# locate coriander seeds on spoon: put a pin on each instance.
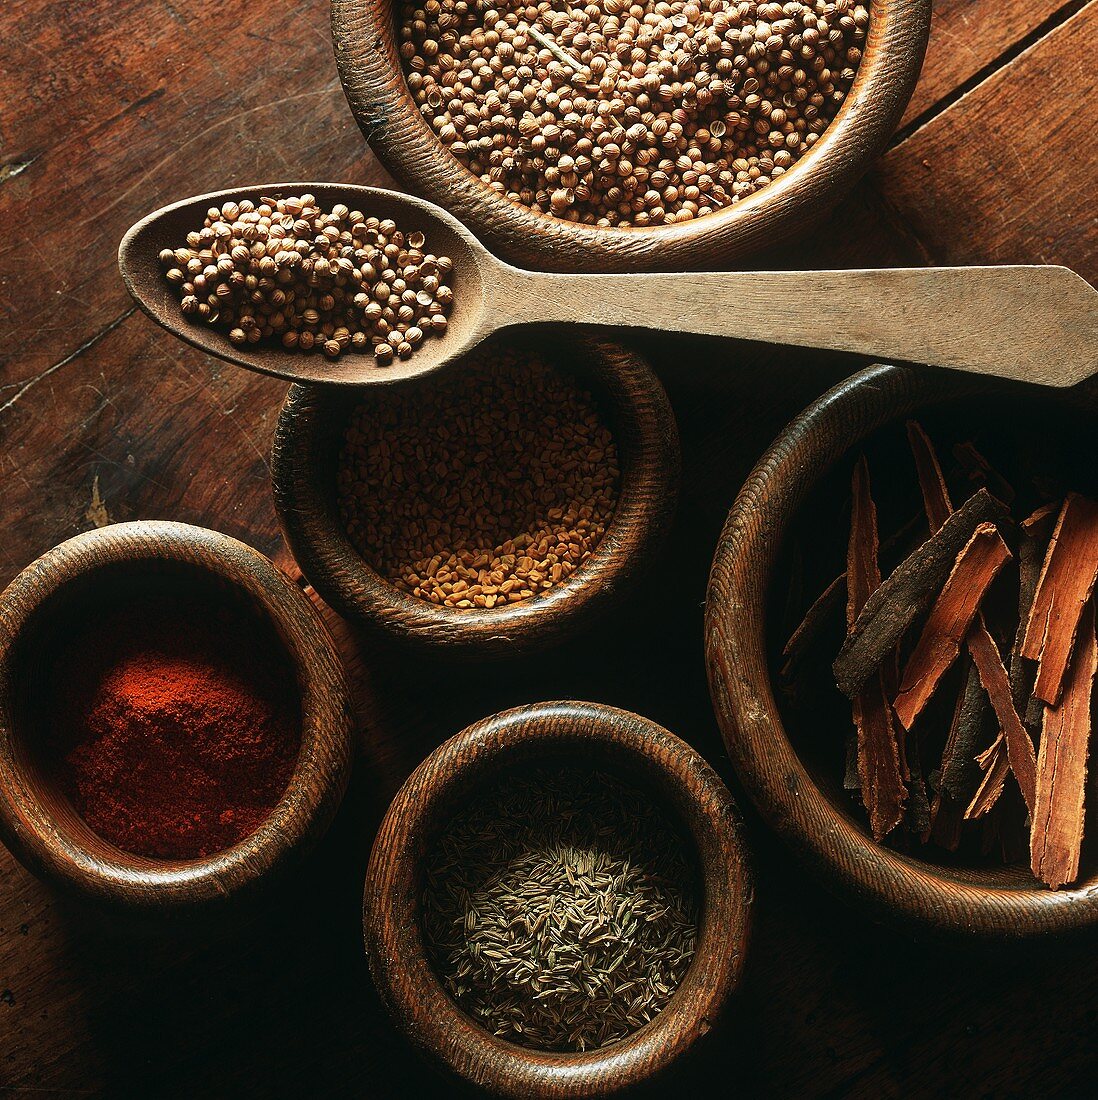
(1044, 317)
(330, 280)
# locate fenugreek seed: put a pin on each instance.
(477, 486)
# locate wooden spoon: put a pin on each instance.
(1032, 323)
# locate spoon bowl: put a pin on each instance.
(1030, 323)
(139, 262)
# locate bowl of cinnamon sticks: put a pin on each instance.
(901, 647)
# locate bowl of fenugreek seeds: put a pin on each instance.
(490, 510)
(557, 902)
(623, 136)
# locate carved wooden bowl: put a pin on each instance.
(70, 585)
(642, 754)
(369, 66)
(776, 752)
(303, 470)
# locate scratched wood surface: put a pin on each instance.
(113, 109)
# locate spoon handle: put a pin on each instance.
(1033, 323)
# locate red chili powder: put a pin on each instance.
(175, 728)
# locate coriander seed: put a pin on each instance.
(643, 114)
(288, 271)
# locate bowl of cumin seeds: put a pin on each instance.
(557, 902)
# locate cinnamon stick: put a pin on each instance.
(892, 607)
(1057, 834)
(883, 790)
(942, 816)
(1019, 747)
(1037, 519)
(932, 482)
(959, 776)
(1063, 589)
(959, 770)
(851, 782)
(917, 818)
(1013, 827)
(827, 605)
(981, 473)
(1033, 535)
(996, 767)
(811, 626)
(946, 819)
(944, 632)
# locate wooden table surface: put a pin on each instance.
(112, 109)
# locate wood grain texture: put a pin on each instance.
(398, 133)
(640, 752)
(979, 157)
(953, 899)
(113, 110)
(303, 475)
(1034, 324)
(965, 41)
(41, 826)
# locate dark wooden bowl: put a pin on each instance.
(369, 66)
(643, 754)
(770, 752)
(65, 587)
(303, 471)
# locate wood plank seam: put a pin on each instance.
(1026, 42)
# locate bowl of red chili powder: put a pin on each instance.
(174, 719)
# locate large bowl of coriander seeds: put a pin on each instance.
(557, 902)
(613, 136)
(492, 512)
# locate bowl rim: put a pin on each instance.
(408, 984)
(315, 788)
(895, 886)
(647, 438)
(396, 131)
